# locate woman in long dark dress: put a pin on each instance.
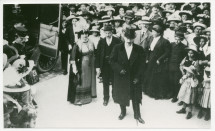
(82, 79)
(156, 75)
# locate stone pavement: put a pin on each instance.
(55, 112)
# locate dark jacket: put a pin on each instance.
(100, 55)
(177, 54)
(124, 89)
(69, 36)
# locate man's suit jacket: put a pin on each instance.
(100, 55)
(69, 36)
(142, 40)
(124, 88)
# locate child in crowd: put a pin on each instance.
(188, 90)
(205, 99)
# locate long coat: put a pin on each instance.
(156, 76)
(124, 89)
(100, 55)
(142, 40)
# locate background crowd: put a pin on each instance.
(175, 38)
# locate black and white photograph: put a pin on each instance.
(131, 64)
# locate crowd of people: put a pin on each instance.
(159, 49)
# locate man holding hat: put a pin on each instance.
(143, 35)
(104, 49)
(127, 61)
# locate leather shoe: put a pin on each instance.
(180, 103)
(140, 120)
(200, 114)
(174, 100)
(65, 72)
(182, 111)
(121, 116)
(105, 102)
(189, 115)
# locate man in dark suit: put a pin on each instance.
(105, 47)
(127, 62)
(67, 41)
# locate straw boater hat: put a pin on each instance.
(105, 18)
(188, 22)
(72, 17)
(117, 18)
(95, 29)
(187, 12)
(191, 69)
(107, 8)
(207, 29)
(192, 47)
(197, 24)
(129, 14)
(173, 18)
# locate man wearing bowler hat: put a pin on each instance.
(105, 47)
(127, 62)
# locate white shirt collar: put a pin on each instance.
(109, 40)
(128, 50)
(154, 42)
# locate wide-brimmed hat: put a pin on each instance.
(108, 28)
(188, 22)
(197, 24)
(187, 12)
(198, 38)
(174, 18)
(202, 16)
(207, 29)
(192, 47)
(105, 18)
(83, 32)
(156, 5)
(158, 28)
(16, 89)
(107, 8)
(129, 14)
(72, 17)
(191, 69)
(95, 29)
(130, 32)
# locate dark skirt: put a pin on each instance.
(156, 84)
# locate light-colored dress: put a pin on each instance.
(86, 90)
(205, 99)
(188, 91)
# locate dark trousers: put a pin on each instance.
(174, 77)
(64, 60)
(136, 109)
(107, 77)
